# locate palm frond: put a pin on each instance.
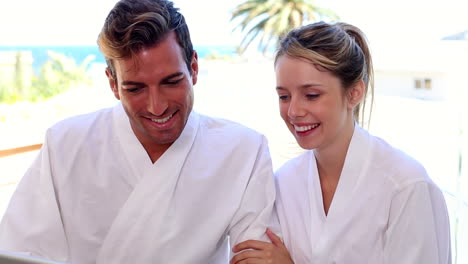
(270, 20)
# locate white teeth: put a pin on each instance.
(305, 128)
(163, 120)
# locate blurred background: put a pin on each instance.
(51, 68)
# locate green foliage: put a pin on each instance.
(59, 74)
(7, 93)
(217, 56)
(56, 75)
(270, 20)
(3, 93)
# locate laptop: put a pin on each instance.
(16, 258)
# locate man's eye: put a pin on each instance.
(173, 82)
(283, 97)
(133, 90)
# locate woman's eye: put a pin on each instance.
(283, 97)
(312, 96)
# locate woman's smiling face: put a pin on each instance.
(312, 102)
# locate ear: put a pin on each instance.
(112, 84)
(194, 67)
(356, 94)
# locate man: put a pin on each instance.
(148, 181)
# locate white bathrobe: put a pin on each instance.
(385, 209)
(94, 196)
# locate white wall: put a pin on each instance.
(402, 83)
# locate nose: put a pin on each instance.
(296, 108)
(157, 102)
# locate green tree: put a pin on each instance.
(270, 20)
(58, 74)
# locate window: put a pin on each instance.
(417, 84)
(427, 84)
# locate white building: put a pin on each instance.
(432, 71)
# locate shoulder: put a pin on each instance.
(81, 124)
(229, 131)
(400, 168)
(295, 167)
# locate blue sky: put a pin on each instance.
(66, 22)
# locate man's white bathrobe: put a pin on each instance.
(385, 209)
(94, 196)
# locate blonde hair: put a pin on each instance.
(341, 49)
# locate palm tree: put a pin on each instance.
(272, 19)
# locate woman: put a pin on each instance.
(351, 198)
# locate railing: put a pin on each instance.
(19, 150)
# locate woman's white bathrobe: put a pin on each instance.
(385, 209)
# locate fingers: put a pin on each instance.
(251, 255)
(251, 261)
(276, 240)
(250, 244)
(254, 251)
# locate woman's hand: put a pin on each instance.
(262, 252)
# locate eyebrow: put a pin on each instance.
(132, 83)
(167, 78)
(304, 86)
(311, 85)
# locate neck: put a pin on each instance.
(156, 151)
(330, 159)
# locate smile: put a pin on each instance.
(162, 120)
(305, 128)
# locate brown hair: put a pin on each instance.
(340, 48)
(136, 24)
